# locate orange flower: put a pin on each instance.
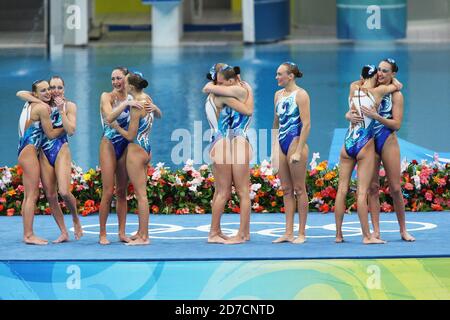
(155, 209)
(11, 192)
(47, 211)
(10, 212)
(330, 175)
(273, 203)
(319, 182)
(270, 178)
(256, 173)
(280, 193)
(19, 170)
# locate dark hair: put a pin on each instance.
(368, 71)
(56, 77)
(136, 79)
(293, 68)
(35, 84)
(229, 72)
(123, 69)
(393, 64)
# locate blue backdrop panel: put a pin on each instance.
(272, 20)
(356, 21)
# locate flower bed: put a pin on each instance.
(425, 187)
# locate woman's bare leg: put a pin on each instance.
(374, 197)
(298, 177)
(288, 198)
(63, 169)
(121, 195)
(391, 161)
(137, 160)
(365, 159)
(108, 169)
(346, 166)
(48, 178)
(29, 162)
(241, 152)
(221, 157)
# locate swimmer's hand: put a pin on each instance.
(295, 158)
(397, 83)
(355, 118)
(114, 125)
(370, 112)
(59, 102)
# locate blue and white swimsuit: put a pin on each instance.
(380, 130)
(290, 124)
(118, 141)
(142, 137)
(359, 134)
(33, 134)
(219, 122)
(51, 147)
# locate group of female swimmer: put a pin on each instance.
(127, 113)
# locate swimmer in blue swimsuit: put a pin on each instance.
(229, 107)
(139, 150)
(359, 149)
(292, 123)
(34, 122)
(56, 161)
(387, 122)
(113, 154)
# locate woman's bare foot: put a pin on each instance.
(78, 230)
(375, 235)
(216, 239)
(138, 242)
(224, 237)
(339, 238)
(134, 236)
(124, 238)
(236, 240)
(300, 239)
(64, 237)
(407, 237)
(284, 238)
(373, 241)
(103, 240)
(35, 240)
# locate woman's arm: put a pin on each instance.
(237, 92)
(27, 96)
(303, 104)
(46, 122)
(237, 105)
(133, 126)
(383, 89)
(150, 106)
(69, 118)
(397, 112)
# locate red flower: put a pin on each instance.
(155, 209)
(236, 209)
(429, 195)
(89, 203)
(2, 200)
(414, 162)
(10, 212)
(1, 207)
(386, 207)
(47, 211)
(282, 209)
(324, 208)
(436, 207)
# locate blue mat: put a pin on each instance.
(177, 237)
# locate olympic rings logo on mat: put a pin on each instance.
(273, 229)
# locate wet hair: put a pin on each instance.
(35, 84)
(393, 64)
(56, 77)
(137, 80)
(293, 68)
(212, 74)
(123, 69)
(229, 72)
(368, 71)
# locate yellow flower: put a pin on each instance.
(87, 177)
(91, 171)
(11, 192)
(321, 166)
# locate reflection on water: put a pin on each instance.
(176, 77)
